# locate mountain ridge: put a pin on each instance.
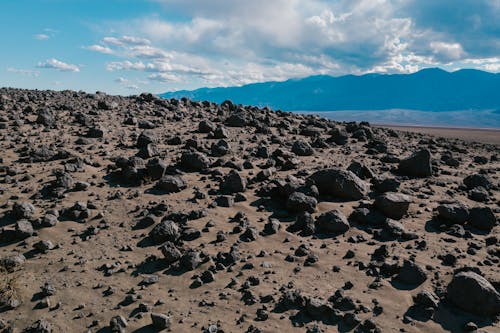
(430, 89)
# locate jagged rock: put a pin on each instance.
(393, 205)
(165, 231)
(302, 148)
(455, 213)
(234, 182)
(332, 222)
(206, 126)
(299, 202)
(473, 293)
(417, 165)
(161, 321)
(190, 260)
(482, 218)
(412, 274)
(477, 180)
(171, 184)
(194, 161)
(339, 183)
(24, 210)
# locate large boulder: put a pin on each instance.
(393, 205)
(302, 148)
(473, 293)
(482, 218)
(171, 184)
(411, 274)
(417, 165)
(332, 222)
(453, 213)
(233, 183)
(477, 180)
(194, 161)
(339, 183)
(165, 231)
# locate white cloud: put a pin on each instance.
(100, 49)
(25, 72)
(447, 51)
(222, 42)
(164, 77)
(59, 65)
(125, 65)
(126, 40)
(41, 36)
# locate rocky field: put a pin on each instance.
(138, 214)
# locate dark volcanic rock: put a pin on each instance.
(299, 202)
(456, 213)
(194, 161)
(165, 231)
(332, 222)
(473, 293)
(393, 205)
(171, 184)
(417, 165)
(339, 183)
(234, 182)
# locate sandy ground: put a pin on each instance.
(99, 263)
(491, 136)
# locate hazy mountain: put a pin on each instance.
(429, 90)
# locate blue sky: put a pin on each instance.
(131, 46)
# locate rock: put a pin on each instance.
(233, 182)
(194, 161)
(165, 231)
(24, 229)
(410, 273)
(477, 180)
(360, 170)
(13, 262)
(473, 293)
(49, 220)
(224, 201)
(339, 183)
(393, 205)
(190, 260)
(156, 168)
(170, 252)
(206, 126)
(482, 218)
(145, 138)
(220, 148)
(24, 210)
(302, 148)
(417, 165)
(426, 299)
(117, 324)
(332, 222)
(299, 202)
(95, 133)
(455, 213)
(40, 326)
(171, 184)
(161, 321)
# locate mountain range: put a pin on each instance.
(431, 89)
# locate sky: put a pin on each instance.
(132, 46)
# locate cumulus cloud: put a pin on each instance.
(100, 49)
(236, 42)
(59, 65)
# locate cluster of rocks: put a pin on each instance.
(229, 202)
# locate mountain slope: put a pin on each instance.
(429, 90)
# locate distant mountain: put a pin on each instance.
(430, 89)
